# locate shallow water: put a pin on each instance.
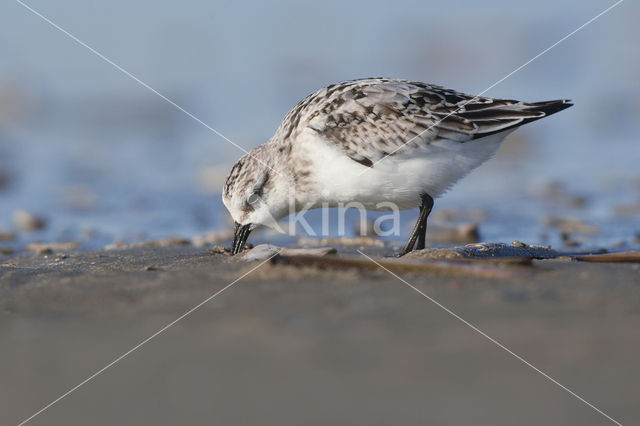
(102, 159)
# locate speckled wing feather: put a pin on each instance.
(372, 118)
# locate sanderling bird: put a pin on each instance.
(368, 141)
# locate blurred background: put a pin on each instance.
(89, 155)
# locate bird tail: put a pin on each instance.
(548, 107)
(507, 114)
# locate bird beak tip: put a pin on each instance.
(240, 235)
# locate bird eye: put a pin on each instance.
(253, 198)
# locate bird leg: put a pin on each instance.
(419, 232)
(427, 205)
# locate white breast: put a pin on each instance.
(400, 179)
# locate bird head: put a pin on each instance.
(256, 193)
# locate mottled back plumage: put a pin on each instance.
(372, 118)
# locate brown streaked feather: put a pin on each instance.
(371, 118)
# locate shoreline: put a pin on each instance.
(286, 336)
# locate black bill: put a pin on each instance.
(240, 235)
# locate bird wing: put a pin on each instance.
(372, 118)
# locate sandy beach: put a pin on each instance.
(288, 345)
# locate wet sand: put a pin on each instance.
(291, 346)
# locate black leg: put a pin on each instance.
(422, 236)
(420, 229)
(427, 205)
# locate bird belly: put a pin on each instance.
(399, 179)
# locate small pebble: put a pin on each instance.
(572, 243)
(567, 240)
(27, 221)
(218, 250)
(469, 232)
(6, 235)
(45, 248)
(464, 233)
